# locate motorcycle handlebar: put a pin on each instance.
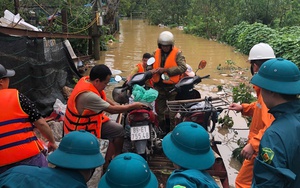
(196, 81)
(172, 90)
(125, 88)
(207, 76)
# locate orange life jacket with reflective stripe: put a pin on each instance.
(170, 62)
(17, 139)
(88, 120)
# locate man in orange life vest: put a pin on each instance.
(86, 105)
(169, 61)
(18, 117)
(140, 67)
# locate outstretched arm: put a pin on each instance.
(123, 108)
(46, 131)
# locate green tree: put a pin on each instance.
(7, 5)
(168, 12)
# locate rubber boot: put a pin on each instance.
(168, 125)
(162, 125)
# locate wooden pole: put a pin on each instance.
(95, 34)
(64, 18)
(17, 5)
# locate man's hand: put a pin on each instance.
(153, 71)
(235, 106)
(51, 146)
(138, 105)
(247, 152)
(161, 70)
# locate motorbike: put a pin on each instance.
(189, 106)
(140, 125)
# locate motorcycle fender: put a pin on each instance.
(140, 146)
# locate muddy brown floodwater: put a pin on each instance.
(137, 37)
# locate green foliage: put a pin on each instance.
(254, 34)
(125, 7)
(168, 12)
(6, 5)
(231, 37)
(79, 18)
(242, 94)
(236, 153)
(105, 38)
(285, 41)
(196, 27)
(226, 121)
(220, 87)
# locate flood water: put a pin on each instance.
(137, 37)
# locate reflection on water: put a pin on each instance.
(136, 37)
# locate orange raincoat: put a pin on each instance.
(261, 120)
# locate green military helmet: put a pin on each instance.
(77, 150)
(128, 170)
(278, 75)
(188, 146)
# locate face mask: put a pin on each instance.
(252, 71)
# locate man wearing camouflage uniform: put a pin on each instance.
(170, 62)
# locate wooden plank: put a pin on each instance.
(40, 34)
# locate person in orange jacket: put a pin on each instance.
(261, 118)
(18, 117)
(85, 108)
(140, 67)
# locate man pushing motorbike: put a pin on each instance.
(170, 62)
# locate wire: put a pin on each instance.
(80, 29)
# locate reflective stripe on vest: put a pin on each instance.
(170, 62)
(88, 120)
(17, 139)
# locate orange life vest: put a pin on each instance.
(170, 62)
(88, 120)
(140, 67)
(17, 139)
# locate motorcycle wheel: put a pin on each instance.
(146, 155)
(211, 121)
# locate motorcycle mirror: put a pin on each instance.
(165, 77)
(151, 61)
(202, 64)
(118, 78)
